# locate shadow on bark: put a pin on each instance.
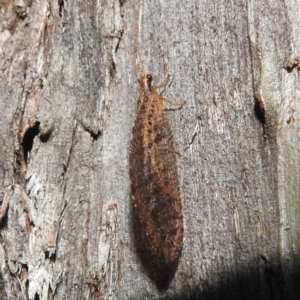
(268, 285)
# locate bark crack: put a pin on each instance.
(196, 130)
(28, 138)
(73, 143)
(4, 207)
(94, 132)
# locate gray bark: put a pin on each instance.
(68, 92)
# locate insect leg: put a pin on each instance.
(177, 105)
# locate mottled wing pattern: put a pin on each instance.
(155, 189)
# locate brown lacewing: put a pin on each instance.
(155, 183)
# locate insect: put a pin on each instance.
(155, 183)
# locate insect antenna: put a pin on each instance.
(138, 43)
(136, 65)
(138, 62)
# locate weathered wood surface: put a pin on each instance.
(68, 95)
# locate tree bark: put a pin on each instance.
(68, 92)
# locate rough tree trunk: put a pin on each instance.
(68, 95)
